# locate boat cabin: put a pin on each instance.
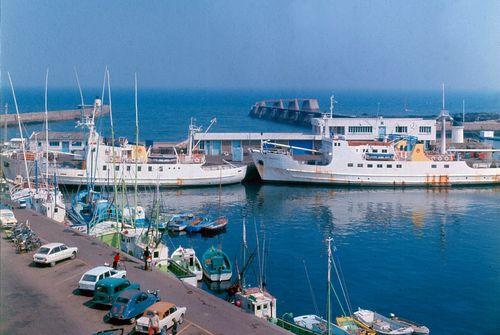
(134, 242)
(258, 302)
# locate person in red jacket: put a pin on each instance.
(116, 260)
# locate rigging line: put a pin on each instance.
(340, 283)
(348, 300)
(258, 252)
(338, 300)
(311, 289)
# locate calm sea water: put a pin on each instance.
(431, 256)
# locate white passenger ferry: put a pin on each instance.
(102, 163)
(400, 161)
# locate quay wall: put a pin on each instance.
(52, 116)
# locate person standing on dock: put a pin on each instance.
(174, 327)
(146, 256)
(154, 323)
(116, 260)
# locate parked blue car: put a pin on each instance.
(132, 303)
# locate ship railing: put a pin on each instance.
(483, 164)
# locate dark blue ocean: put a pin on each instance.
(432, 256)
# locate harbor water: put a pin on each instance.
(432, 256)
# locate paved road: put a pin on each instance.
(41, 300)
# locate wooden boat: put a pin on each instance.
(381, 324)
(179, 222)
(216, 265)
(351, 326)
(215, 226)
(197, 224)
(186, 257)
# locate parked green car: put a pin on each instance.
(108, 289)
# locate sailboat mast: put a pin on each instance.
(20, 131)
(115, 192)
(244, 251)
(136, 147)
(46, 128)
(328, 306)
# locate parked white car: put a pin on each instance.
(167, 312)
(54, 252)
(7, 218)
(91, 277)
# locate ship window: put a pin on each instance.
(360, 165)
(389, 166)
(139, 168)
(156, 254)
(350, 165)
(374, 150)
(160, 168)
(399, 166)
(128, 167)
(401, 129)
(117, 167)
(150, 168)
(54, 143)
(264, 306)
(425, 130)
(258, 307)
(104, 167)
(379, 165)
(370, 165)
(77, 144)
(384, 151)
(39, 144)
(433, 166)
(360, 129)
(446, 166)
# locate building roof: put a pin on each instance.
(255, 136)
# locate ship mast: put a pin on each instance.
(20, 131)
(444, 116)
(136, 146)
(328, 306)
(46, 129)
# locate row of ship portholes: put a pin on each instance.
(139, 168)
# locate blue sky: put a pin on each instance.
(255, 44)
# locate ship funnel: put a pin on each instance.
(444, 116)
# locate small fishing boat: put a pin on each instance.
(215, 226)
(216, 265)
(418, 329)
(318, 325)
(381, 324)
(197, 224)
(350, 325)
(186, 257)
(179, 222)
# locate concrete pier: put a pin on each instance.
(43, 300)
(53, 116)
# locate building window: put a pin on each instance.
(150, 168)
(104, 167)
(425, 130)
(433, 166)
(379, 165)
(54, 143)
(446, 166)
(360, 129)
(360, 165)
(399, 166)
(389, 166)
(369, 165)
(401, 129)
(350, 165)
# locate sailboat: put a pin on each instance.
(216, 265)
(186, 257)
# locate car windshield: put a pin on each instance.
(43, 250)
(101, 289)
(91, 278)
(122, 300)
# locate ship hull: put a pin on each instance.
(275, 167)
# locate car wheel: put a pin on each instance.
(52, 264)
(181, 319)
(73, 255)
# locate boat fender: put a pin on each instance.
(440, 158)
(446, 158)
(237, 303)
